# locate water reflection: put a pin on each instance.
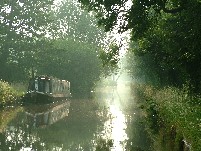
(124, 130)
(21, 131)
(106, 123)
(51, 127)
(115, 127)
(46, 114)
(75, 132)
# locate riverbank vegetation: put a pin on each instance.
(8, 94)
(173, 117)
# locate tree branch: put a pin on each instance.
(174, 10)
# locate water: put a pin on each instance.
(111, 121)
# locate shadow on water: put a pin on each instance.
(138, 137)
(111, 121)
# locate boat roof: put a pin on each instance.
(47, 77)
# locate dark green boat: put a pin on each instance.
(45, 89)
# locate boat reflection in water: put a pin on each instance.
(46, 114)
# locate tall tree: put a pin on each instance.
(137, 15)
(166, 30)
(78, 23)
(72, 60)
(22, 23)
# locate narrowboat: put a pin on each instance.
(46, 89)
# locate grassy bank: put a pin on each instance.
(9, 94)
(173, 117)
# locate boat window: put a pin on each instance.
(60, 87)
(53, 86)
(47, 87)
(63, 86)
(36, 85)
(41, 85)
(57, 87)
(68, 85)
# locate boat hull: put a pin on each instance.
(42, 98)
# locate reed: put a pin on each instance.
(173, 115)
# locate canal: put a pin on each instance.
(111, 120)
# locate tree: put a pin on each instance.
(174, 45)
(78, 23)
(137, 15)
(72, 60)
(22, 23)
(72, 53)
(168, 31)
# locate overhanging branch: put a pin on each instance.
(173, 10)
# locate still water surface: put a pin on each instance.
(105, 123)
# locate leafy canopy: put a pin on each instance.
(166, 31)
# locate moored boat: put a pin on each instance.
(46, 89)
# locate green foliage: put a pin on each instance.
(25, 46)
(7, 94)
(144, 69)
(20, 88)
(78, 23)
(175, 108)
(22, 23)
(110, 56)
(75, 61)
(104, 145)
(173, 45)
(166, 31)
(139, 16)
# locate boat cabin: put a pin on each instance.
(49, 85)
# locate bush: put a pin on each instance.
(7, 94)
